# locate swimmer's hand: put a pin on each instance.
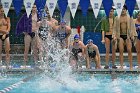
(25, 33)
(4, 36)
(114, 38)
(103, 41)
(132, 38)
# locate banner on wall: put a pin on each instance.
(62, 6)
(130, 6)
(17, 5)
(6, 6)
(119, 6)
(28, 6)
(51, 4)
(73, 4)
(96, 4)
(84, 4)
(107, 6)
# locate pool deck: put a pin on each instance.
(29, 70)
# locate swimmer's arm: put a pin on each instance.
(98, 54)
(39, 23)
(133, 29)
(54, 27)
(68, 32)
(102, 29)
(87, 58)
(103, 38)
(9, 24)
(114, 28)
(56, 22)
(83, 49)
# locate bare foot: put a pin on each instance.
(131, 68)
(121, 67)
(138, 67)
(98, 67)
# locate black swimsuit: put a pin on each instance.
(109, 37)
(91, 54)
(124, 37)
(32, 35)
(75, 52)
(7, 35)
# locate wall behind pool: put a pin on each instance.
(89, 22)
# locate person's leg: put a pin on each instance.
(121, 49)
(129, 50)
(107, 46)
(97, 62)
(35, 48)
(7, 49)
(114, 47)
(138, 52)
(27, 41)
(0, 51)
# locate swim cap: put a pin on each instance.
(76, 36)
(90, 40)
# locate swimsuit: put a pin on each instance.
(75, 52)
(109, 37)
(61, 34)
(91, 54)
(32, 35)
(7, 35)
(124, 37)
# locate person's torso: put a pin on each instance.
(90, 49)
(3, 24)
(34, 23)
(61, 33)
(110, 26)
(123, 25)
(76, 45)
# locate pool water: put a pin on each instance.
(6, 80)
(76, 83)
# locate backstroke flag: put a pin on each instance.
(96, 4)
(6, 6)
(119, 6)
(28, 6)
(73, 4)
(84, 4)
(107, 6)
(40, 4)
(62, 6)
(130, 6)
(17, 5)
(51, 4)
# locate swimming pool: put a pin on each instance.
(75, 83)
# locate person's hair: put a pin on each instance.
(113, 8)
(125, 7)
(2, 8)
